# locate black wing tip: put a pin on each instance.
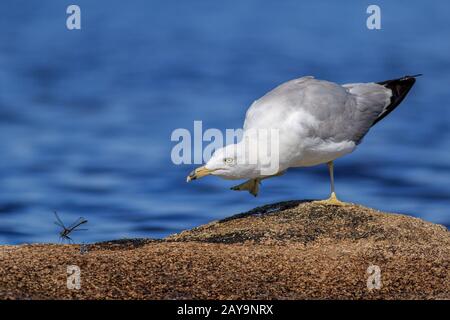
(411, 79)
(413, 76)
(400, 88)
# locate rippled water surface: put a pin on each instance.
(86, 116)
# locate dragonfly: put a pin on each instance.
(66, 231)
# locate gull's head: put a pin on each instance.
(227, 163)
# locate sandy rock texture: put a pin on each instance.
(289, 250)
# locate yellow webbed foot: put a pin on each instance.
(331, 201)
(251, 186)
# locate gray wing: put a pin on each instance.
(325, 109)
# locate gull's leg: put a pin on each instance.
(251, 186)
(332, 200)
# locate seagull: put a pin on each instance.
(317, 121)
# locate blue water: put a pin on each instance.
(86, 115)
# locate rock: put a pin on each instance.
(289, 250)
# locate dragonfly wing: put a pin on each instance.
(58, 219)
(77, 223)
(59, 224)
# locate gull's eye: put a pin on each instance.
(228, 161)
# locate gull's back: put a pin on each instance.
(322, 109)
(319, 121)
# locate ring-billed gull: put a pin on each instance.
(317, 122)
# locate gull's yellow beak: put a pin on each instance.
(198, 173)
